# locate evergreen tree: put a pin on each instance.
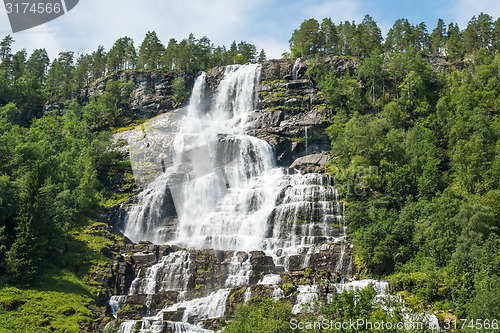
(496, 35)
(331, 36)
(5, 48)
(18, 65)
(24, 259)
(400, 36)
(421, 37)
(479, 33)
(262, 56)
(454, 44)
(82, 71)
(151, 52)
(437, 39)
(60, 76)
(370, 36)
(118, 57)
(305, 40)
(247, 53)
(98, 65)
(170, 56)
(37, 65)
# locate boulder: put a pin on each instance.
(311, 163)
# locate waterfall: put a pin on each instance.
(227, 190)
(295, 69)
(209, 185)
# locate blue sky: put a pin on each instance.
(266, 23)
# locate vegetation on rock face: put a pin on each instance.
(418, 160)
(418, 164)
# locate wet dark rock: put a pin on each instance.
(174, 315)
(261, 265)
(312, 163)
(236, 296)
(214, 324)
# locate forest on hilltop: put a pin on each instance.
(427, 218)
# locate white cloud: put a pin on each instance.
(339, 10)
(465, 9)
(273, 47)
(101, 22)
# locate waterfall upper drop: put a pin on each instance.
(226, 188)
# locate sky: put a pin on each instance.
(268, 24)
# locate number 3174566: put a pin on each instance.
(33, 8)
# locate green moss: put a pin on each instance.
(56, 303)
(288, 287)
(202, 271)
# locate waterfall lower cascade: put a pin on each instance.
(214, 190)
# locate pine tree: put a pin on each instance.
(151, 52)
(37, 65)
(437, 38)
(305, 40)
(454, 44)
(370, 36)
(98, 66)
(262, 56)
(24, 259)
(331, 36)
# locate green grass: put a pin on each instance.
(54, 304)
(59, 300)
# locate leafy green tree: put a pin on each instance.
(486, 302)
(10, 113)
(372, 74)
(268, 316)
(470, 163)
(179, 89)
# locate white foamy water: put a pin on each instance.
(228, 195)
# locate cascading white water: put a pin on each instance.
(228, 195)
(171, 273)
(295, 69)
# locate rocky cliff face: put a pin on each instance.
(206, 272)
(151, 94)
(293, 114)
